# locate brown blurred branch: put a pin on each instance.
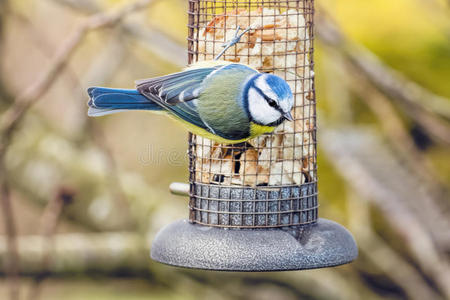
(423, 106)
(127, 253)
(6, 96)
(49, 223)
(381, 255)
(108, 60)
(397, 133)
(84, 176)
(77, 252)
(11, 261)
(150, 37)
(115, 183)
(4, 10)
(390, 122)
(370, 170)
(85, 6)
(102, 70)
(13, 116)
(40, 42)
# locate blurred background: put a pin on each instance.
(81, 199)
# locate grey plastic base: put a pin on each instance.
(323, 244)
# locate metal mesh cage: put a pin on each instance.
(270, 181)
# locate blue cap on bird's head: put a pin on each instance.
(268, 99)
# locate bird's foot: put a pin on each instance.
(237, 37)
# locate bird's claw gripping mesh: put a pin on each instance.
(237, 37)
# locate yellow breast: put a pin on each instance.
(202, 132)
(256, 129)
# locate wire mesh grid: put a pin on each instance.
(270, 181)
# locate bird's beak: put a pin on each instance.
(288, 116)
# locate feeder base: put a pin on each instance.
(323, 244)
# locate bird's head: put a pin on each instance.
(268, 99)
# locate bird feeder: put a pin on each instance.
(253, 206)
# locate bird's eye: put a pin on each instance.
(272, 102)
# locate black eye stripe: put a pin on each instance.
(269, 100)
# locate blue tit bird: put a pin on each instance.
(225, 102)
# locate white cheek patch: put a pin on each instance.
(262, 84)
(260, 110)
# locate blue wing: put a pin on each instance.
(178, 93)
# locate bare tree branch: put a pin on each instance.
(158, 43)
(78, 252)
(103, 68)
(397, 133)
(86, 6)
(150, 37)
(5, 95)
(127, 253)
(11, 264)
(40, 42)
(381, 255)
(370, 170)
(12, 259)
(13, 116)
(421, 105)
(49, 223)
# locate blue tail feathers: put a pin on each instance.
(107, 101)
